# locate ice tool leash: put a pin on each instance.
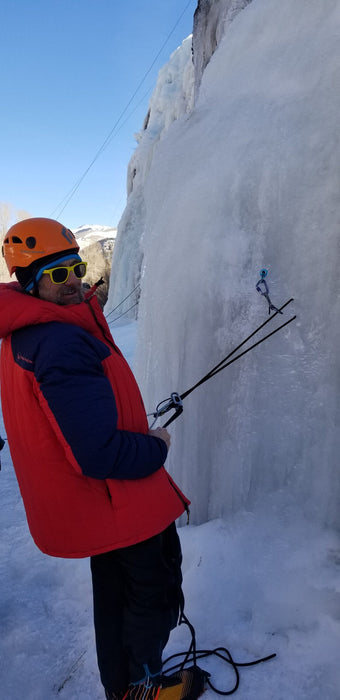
(175, 401)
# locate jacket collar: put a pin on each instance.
(19, 309)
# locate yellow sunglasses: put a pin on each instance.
(60, 274)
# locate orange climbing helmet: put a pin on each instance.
(32, 239)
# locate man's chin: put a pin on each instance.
(68, 299)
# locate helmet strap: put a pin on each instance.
(35, 290)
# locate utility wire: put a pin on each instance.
(122, 302)
(106, 142)
(124, 312)
(77, 184)
(73, 190)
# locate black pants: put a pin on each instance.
(136, 599)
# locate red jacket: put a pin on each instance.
(90, 477)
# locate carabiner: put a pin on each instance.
(174, 402)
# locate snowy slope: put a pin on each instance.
(87, 235)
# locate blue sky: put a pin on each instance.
(68, 69)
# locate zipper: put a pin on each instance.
(185, 504)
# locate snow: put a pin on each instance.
(259, 582)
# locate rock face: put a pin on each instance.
(96, 245)
(211, 19)
(99, 257)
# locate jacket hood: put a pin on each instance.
(19, 309)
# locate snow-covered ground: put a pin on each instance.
(262, 581)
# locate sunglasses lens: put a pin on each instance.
(80, 270)
(59, 275)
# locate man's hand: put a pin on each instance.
(161, 433)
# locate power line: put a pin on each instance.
(124, 312)
(65, 201)
(122, 302)
(73, 190)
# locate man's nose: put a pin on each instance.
(72, 278)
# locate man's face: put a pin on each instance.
(69, 292)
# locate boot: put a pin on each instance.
(188, 684)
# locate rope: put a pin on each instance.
(122, 302)
(221, 365)
(192, 655)
(227, 361)
(124, 312)
(221, 653)
(110, 135)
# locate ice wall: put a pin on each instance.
(251, 179)
(172, 98)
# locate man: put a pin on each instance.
(89, 469)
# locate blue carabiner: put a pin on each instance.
(265, 293)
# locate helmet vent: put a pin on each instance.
(16, 239)
(31, 242)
